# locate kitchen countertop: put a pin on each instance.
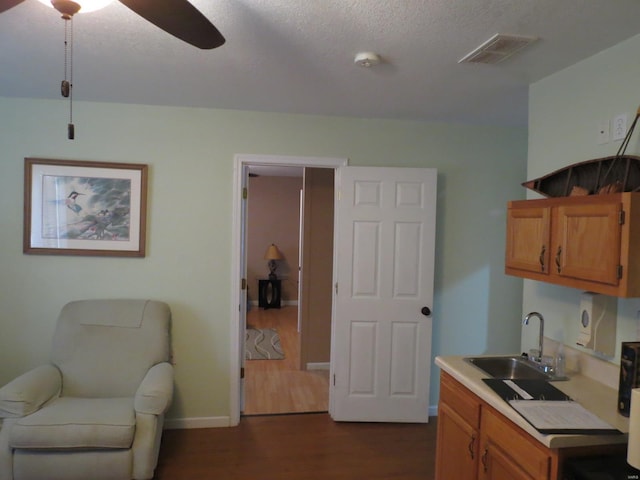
(596, 397)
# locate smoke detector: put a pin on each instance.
(367, 59)
(497, 48)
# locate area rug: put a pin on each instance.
(263, 344)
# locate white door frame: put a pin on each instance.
(300, 252)
(237, 294)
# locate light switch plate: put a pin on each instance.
(619, 127)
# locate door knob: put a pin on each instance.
(426, 311)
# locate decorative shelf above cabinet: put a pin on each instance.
(589, 243)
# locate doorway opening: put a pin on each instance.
(282, 386)
(289, 225)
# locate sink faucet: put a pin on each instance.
(525, 321)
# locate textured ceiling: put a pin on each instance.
(297, 55)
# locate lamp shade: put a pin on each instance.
(272, 253)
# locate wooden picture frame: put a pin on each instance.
(87, 208)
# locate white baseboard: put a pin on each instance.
(223, 422)
(196, 422)
(318, 366)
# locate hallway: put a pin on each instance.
(279, 386)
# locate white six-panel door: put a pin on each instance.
(381, 345)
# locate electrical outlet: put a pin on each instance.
(603, 132)
(619, 127)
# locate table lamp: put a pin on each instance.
(272, 254)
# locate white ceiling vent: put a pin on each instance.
(497, 48)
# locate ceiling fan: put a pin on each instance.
(177, 17)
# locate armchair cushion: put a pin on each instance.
(25, 394)
(156, 390)
(70, 422)
(104, 348)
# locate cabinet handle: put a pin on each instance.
(558, 259)
(471, 444)
(542, 252)
(484, 459)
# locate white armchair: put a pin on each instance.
(96, 412)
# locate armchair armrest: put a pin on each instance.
(156, 390)
(28, 392)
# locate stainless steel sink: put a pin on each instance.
(513, 367)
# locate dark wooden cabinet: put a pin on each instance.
(269, 293)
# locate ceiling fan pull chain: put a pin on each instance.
(64, 86)
(70, 126)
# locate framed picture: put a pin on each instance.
(84, 208)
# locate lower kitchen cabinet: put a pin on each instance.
(460, 457)
(507, 452)
(476, 442)
(497, 465)
(458, 439)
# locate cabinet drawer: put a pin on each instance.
(460, 400)
(516, 444)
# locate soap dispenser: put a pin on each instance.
(598, 318)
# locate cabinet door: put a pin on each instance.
(509, 453)
(528, 236)
(496, 465)
(458, 426)
(456, 448)
(587, 242)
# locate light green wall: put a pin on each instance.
(190, 153)
(564, 111)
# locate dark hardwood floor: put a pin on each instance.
(299, 447)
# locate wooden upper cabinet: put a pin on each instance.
(590, 243)
(587, 242)
(528, 238)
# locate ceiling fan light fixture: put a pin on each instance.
(86, 6)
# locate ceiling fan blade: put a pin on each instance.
(179, 18)
(7, 4)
